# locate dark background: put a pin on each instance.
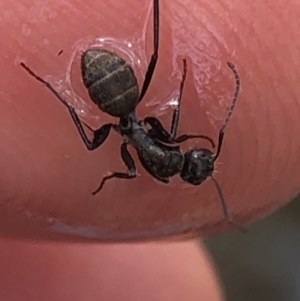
(264, 264)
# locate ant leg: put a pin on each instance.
(157, 131)
(100, 135)
(131, 173)
(154, 57)
(176, 112)
(176, 115)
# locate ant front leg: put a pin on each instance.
(100, 135)
(129, 162)
(157, 130)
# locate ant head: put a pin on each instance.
(198, 165)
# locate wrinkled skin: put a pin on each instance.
(47, 173)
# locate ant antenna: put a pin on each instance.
(225, 207)
(223, 202)
(230, 110)
(220, 142)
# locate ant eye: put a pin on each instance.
(203, 155)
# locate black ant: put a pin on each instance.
(112, 85)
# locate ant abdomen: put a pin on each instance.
(110, 80)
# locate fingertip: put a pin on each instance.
(152, 271)
(46, 166)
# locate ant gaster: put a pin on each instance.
(112, 85)
(110, 80)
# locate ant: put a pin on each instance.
(112, 85)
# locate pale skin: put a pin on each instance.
(259, 165)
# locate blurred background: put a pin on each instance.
(263, 264)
